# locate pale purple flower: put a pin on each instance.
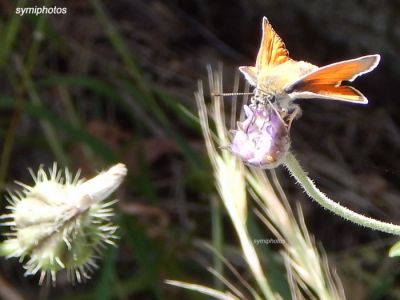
(262, 139)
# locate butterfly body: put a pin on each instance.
(273, 79)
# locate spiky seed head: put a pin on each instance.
(61, 222)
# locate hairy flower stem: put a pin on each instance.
(310, 188)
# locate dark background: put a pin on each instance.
(114, 81)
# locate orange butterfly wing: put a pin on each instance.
(272, 49)
(272, 52)
(344, 93)
(325, 82)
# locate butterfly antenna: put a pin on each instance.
(231, 94)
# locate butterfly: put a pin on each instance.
(262, 139)
(279, 79)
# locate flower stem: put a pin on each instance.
(310, 188)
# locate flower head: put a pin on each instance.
(61, 222)
(262, 139)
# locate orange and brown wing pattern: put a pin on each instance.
(341, 93)
(272, 52)
(272, 49)
(326, 81)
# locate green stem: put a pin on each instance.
(310, 188)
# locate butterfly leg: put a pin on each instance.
(253, 118)
(292, 115)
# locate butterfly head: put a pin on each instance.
(262, 98)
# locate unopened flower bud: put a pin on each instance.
(61, 222)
